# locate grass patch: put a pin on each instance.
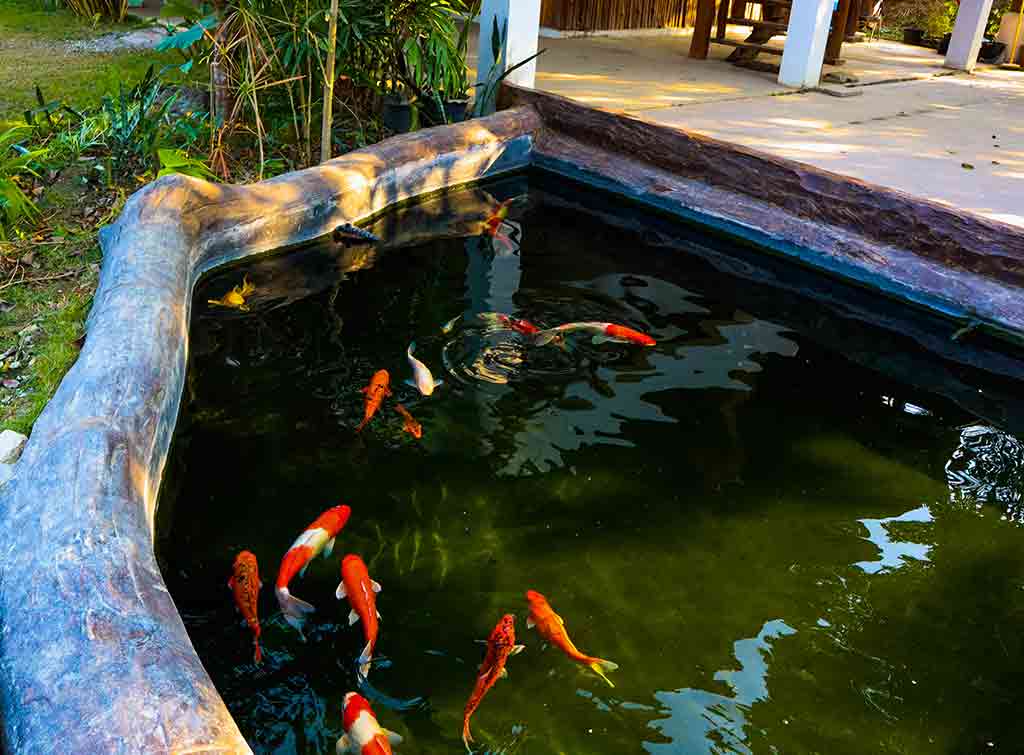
(34, 50)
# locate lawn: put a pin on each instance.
(49, 270)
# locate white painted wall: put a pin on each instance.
(804, 51)
(967, 34)
(523, 29)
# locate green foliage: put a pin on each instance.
(136, 119)
(178, 161)
(115, 10)
(15, 161)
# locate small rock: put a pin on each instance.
(995, 162)
(11, 444)
(6, 473)
(14, 365)
(839, 77)
(966, 166)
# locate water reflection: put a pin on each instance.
(701, 721)
(894, 553)
(988, 467)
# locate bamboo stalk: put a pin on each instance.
(332, 43)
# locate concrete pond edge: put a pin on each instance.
(93, 654)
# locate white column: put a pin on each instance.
(804, 51)
(523, 18)
(967, 33)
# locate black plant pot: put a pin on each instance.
(991, 52)
(943, 47)
(913, 36)
(397, 115)
(455, 110)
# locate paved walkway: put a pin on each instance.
(956, 139)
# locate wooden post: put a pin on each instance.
(332, 43)
(834, 46)
(723, 19)
(701, 40)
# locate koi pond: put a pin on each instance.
(794, 531)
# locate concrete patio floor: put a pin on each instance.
(913, 125)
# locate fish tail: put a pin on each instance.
(467, 735)
(412, 347)
(258, 655)
(544, 337)
(294, 609)
(362, 424)
(364, 660)
(600, 666)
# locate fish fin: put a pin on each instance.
(231, 583)
(340, 592)
(375, 585)
(411, 383)
(412, 348)
(530, 623)
(302, 571)
(344, 745)
(600, 666)
(503, 674)
(560, 619)
(353, 617)
(329, 548)
(517, 649)
(260, 585)
(394, 737)
(365, 390)
(379, 617)
(599, 339)
(364, 660)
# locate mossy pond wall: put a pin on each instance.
(94, 653)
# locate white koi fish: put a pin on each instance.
(422, 380)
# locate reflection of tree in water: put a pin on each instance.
(988, 467)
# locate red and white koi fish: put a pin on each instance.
(601, 332)
(411, 426)
(493, 221)
(378, 389)
(361, 592)
(500, 645)
(245, 586)
(551, 627)
(363, 735)
(316, 538)
(422, 380)
(499, 320)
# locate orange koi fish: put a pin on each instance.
(551, 627)
(493, 221)
(601, 332)
(500, 645)
(235, 298)
(245, 585)
(378, 389)
(411, 425)
(315, 539)
(361, 592)
(363, 735)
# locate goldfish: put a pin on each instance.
(361, 592)
(235, 298)
(500, 645)
(378, 389)
(493, 221)
(245, 585)
(315, 539)
(422, 380)
(363, 735)
(411, 425)
(602, 332)
(551, 627)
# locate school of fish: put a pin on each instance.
(363, 735)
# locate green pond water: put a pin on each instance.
(786, 544)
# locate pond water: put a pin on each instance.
(793, 532)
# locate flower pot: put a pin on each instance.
(455, 110)
(944, 44)
(397, 115)
(991, 52)
(913, 36)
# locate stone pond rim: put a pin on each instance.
(93, 654)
